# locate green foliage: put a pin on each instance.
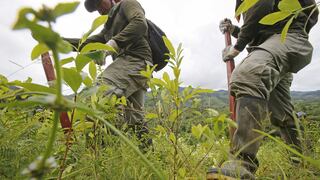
(288, 9)
(188, 133)
(179, 126)
(245, 6)
(72, 78)
(273, 18)
(50, 40)
(96, 46)
(96, 23)
(38, 50)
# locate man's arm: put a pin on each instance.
(235, 32)
(95, 38)
(137, 26)
(251, 25)
(313, 17)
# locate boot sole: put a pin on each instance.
(219, 177)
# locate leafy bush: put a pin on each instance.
(187, 137)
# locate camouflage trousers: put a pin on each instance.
(266, 74)
(123, 78)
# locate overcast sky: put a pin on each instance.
(194, 23)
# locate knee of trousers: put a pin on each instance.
(255, 76)
(113, 90)
(246, 83)
(242, 89)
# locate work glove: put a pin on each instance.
(229, 53)
(114, 45)
(105, 53)
(226, 25)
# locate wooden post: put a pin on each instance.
(51, 77)
(230, 68)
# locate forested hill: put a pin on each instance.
(306, 95)
(219, 99)
(296, 95)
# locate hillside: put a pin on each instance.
(220, 97)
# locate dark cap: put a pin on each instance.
(92, 5)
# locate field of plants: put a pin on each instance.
(188, 135)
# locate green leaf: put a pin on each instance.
(231, 123)
(95, 55)
(48, 101)
(289, 5)
(285, 29)
(173, 138)
(38, 50)
(160, 129)
(212, 112)
(96, 46)
(34, 87)
(174, 115)
(96, 23)
(29, 80)
(101, 20)
(182, 172)
(44, 35)
(87, 81)
(66, 61)
(81, 61)
(245, 5)
(273, 18)
(198, 130)
(22, 22)
(93, 70)
(176, 72)
(3, 79)
(72, 78)
(123, 101)
(64, 46)
(65, 8)
(40, 33)
(169, 45)
(151, 116)
(158, 82)
(166, 77)
(82, 126)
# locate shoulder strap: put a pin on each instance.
(112, 13)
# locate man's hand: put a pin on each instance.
(112, 43)
(226, 25)
(229, 53)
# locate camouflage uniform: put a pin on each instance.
(128, 27)
(261, 82)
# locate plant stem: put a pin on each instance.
(56, 112)
(132, 146)
(68, 146)
(59, 76)
(52, 137)
(68, 143)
